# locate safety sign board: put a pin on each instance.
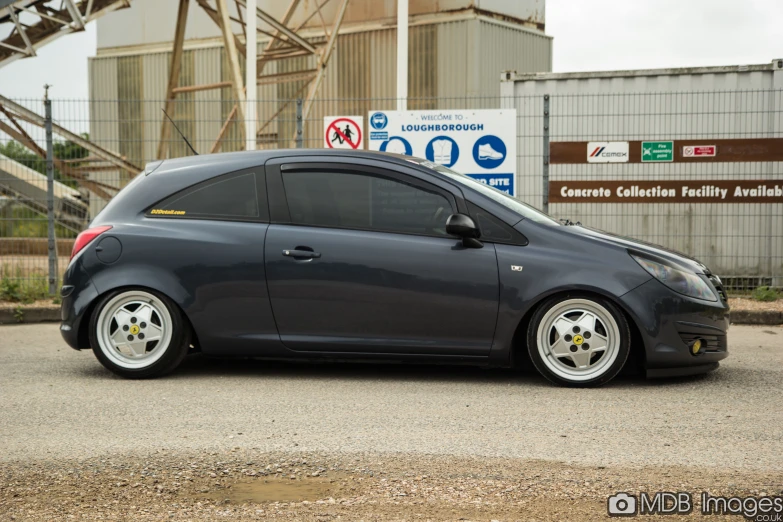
(479, 143)
(343, 132)
(607, 152)
(699, 151)
(657, 151)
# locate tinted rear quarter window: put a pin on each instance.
(230, 197)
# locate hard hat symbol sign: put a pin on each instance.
(343, 133)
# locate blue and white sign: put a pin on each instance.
(479, 143)
(489, 152)
(500, 181)
(379, 121)
(442, 150)
(398, 145)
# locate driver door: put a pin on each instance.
(358, 260)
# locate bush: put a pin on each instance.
(18, 289)
(765, 293)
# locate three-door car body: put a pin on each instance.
(313, 254)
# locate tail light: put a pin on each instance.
(86, 237)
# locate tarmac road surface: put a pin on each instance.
(62, 410)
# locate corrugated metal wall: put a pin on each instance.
(734, 239)
(451, 63)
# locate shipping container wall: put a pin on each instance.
(734, 239)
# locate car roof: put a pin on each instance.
(230, 161)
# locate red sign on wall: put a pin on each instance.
(699, 151)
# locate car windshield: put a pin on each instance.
(498, 196)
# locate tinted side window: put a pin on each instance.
(493, 229)
(361, 201)
(234, 196)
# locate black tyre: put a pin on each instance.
(138, 333)
(578, 340)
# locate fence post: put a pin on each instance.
(299, 123)
(545, 176)
(52, 243)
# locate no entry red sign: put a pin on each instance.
(695, 151)
(343, 132)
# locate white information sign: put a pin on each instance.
(479, 143)
(607, 152)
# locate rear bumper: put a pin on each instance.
(81, 294)
(668, 322)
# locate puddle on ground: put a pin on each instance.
(273, 490)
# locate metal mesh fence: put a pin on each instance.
(99, 145)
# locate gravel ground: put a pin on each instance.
(223, 439)
(741, 303)
(254, 485)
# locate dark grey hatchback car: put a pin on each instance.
(309, 254)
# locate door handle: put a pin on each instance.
(301, 254)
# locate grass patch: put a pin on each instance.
(25, 222)
(18, 289)
(765, 293)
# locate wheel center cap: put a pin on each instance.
(578, 339)
(135, 329)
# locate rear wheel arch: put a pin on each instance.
(84, 327)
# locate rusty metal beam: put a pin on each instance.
(203, 87)
(231, 52)
(323, 60)
(273, 43)
(21, 31)
(76, 16)
(22, 137)
(287, 77)
(219, 140)
(213, 14)
(44, 25)
(280, 27)
(30, 116)
(174, 69)
(280, 109)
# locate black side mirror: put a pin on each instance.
(463, 226)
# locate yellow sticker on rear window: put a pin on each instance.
(162, 212)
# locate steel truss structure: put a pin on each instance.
(31, 24)
(284, 42)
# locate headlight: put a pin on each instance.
(681, 282)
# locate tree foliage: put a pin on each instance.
(64, 150)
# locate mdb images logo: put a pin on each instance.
(379, 121)
(621, 505)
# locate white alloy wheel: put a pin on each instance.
(134, 329)
(579, 341)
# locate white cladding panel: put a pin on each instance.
(152, 21)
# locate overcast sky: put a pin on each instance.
(589, 35)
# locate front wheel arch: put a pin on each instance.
(520, 358)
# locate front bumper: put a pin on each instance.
(668, 322)
(78, 295)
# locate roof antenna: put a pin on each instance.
(180, 132)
